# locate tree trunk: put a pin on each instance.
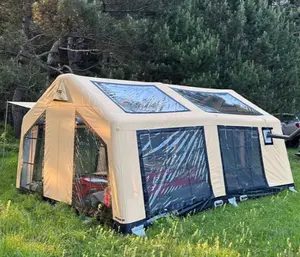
(17, 111)
(73, 56)
(53, 58)
(27, 16)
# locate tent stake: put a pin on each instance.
(233, 202)
(139, 231)
(293, 189)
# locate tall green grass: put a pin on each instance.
(268, 226)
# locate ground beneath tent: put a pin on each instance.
(267, 226)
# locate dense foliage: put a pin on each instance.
(251, 46)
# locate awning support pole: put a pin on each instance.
(4, 138)
(286, 137)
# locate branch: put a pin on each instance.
(150, 12)
(8, 53)
(78, 35)
(59, 69)
(68, 67)
(42, 54)
(88, 68)
(33, 85)
(56, 69)
(79, 50)
(35, 37)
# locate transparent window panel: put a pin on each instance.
(140, 98)
(217, 102)
(174, 168)
(24, 176)
(33, 157)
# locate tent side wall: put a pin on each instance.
(274, 158)
(129, 182)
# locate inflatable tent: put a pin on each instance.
(148, 149)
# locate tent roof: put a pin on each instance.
(102, 95)
(28, 105)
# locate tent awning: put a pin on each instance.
(28, 105)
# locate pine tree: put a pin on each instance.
(245, 45)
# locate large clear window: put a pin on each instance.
(241, 158)
(33, 157)
(91, 182)
(140, 98)
(217, 102)
(174, 168)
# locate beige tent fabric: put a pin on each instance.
(61, 93)
(59, 152)
(276, 162)
(214, 160)
(118, 130)
(128, 176)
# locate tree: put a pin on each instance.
(247, 46)
(251, 46)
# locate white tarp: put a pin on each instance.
(28, 105)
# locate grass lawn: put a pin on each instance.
(268, 226)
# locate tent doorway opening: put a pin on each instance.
(33, 157)
(91, 193)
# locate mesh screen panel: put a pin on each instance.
(241, 157)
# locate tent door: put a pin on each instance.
(242, 160)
